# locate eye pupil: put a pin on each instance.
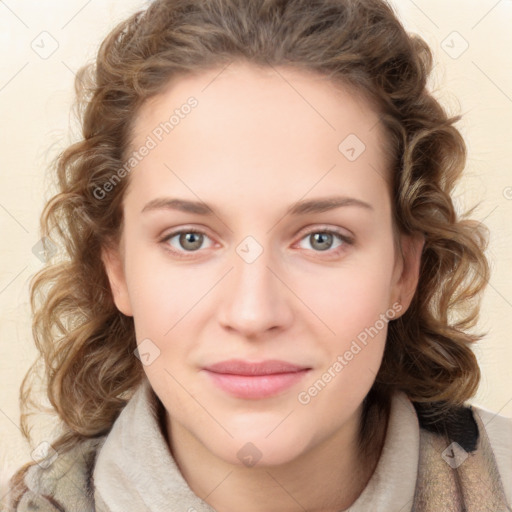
(322, 238)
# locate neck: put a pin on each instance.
(329, 476)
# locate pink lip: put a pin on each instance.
(244, 379)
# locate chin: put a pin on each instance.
(258, 450)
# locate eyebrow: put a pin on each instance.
(299, 208)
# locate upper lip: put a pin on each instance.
(241, 367)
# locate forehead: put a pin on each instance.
(259, 132)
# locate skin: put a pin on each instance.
(253, 147)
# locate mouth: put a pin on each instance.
(255, 380)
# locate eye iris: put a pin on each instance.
(322, 238)
(196, 239)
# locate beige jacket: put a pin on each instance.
(466, 467)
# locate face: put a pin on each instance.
(291, 260)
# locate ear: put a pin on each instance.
(113, 261)
(407, 270)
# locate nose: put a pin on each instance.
(254, 297)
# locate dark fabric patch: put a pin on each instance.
(458, 424)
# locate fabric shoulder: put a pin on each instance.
(499, 432)
(60, 482)
(485, 438)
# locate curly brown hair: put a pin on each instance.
(87, 345)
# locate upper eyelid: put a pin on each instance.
(325, 228)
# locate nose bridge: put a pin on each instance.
(254, 299)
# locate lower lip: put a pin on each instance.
(258, 386)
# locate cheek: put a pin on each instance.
(153, 303)
(352, 297)
(167, 304)
(160, 293)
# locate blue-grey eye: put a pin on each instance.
(188, 241)
(323, 240)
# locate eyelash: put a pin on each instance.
(347, 241)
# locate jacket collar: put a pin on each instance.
(136, 471)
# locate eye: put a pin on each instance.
(191, 240)
(322, 240)
(187, 240)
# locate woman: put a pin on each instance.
(267, 287)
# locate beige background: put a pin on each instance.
(35, 98)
